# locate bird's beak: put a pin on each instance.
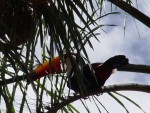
(52, 66)
(49, 67)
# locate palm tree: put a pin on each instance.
(29, 28)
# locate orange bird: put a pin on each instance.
(91, 78)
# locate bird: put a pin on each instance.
(93, 75)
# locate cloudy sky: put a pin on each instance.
(135, 44)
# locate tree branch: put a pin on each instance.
(135, 68)
(12, 80)
(132, 11)
(104, 89)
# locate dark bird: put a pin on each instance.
(93, 75)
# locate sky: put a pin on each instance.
(134, 45)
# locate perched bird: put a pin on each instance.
(93, 75)
(96, 74)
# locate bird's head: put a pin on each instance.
(54, 66)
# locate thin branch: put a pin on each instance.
(135, 68)
(12, 80)
(130, 68)
(104, 89)
(132, 11)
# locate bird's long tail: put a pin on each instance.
(115, 62)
